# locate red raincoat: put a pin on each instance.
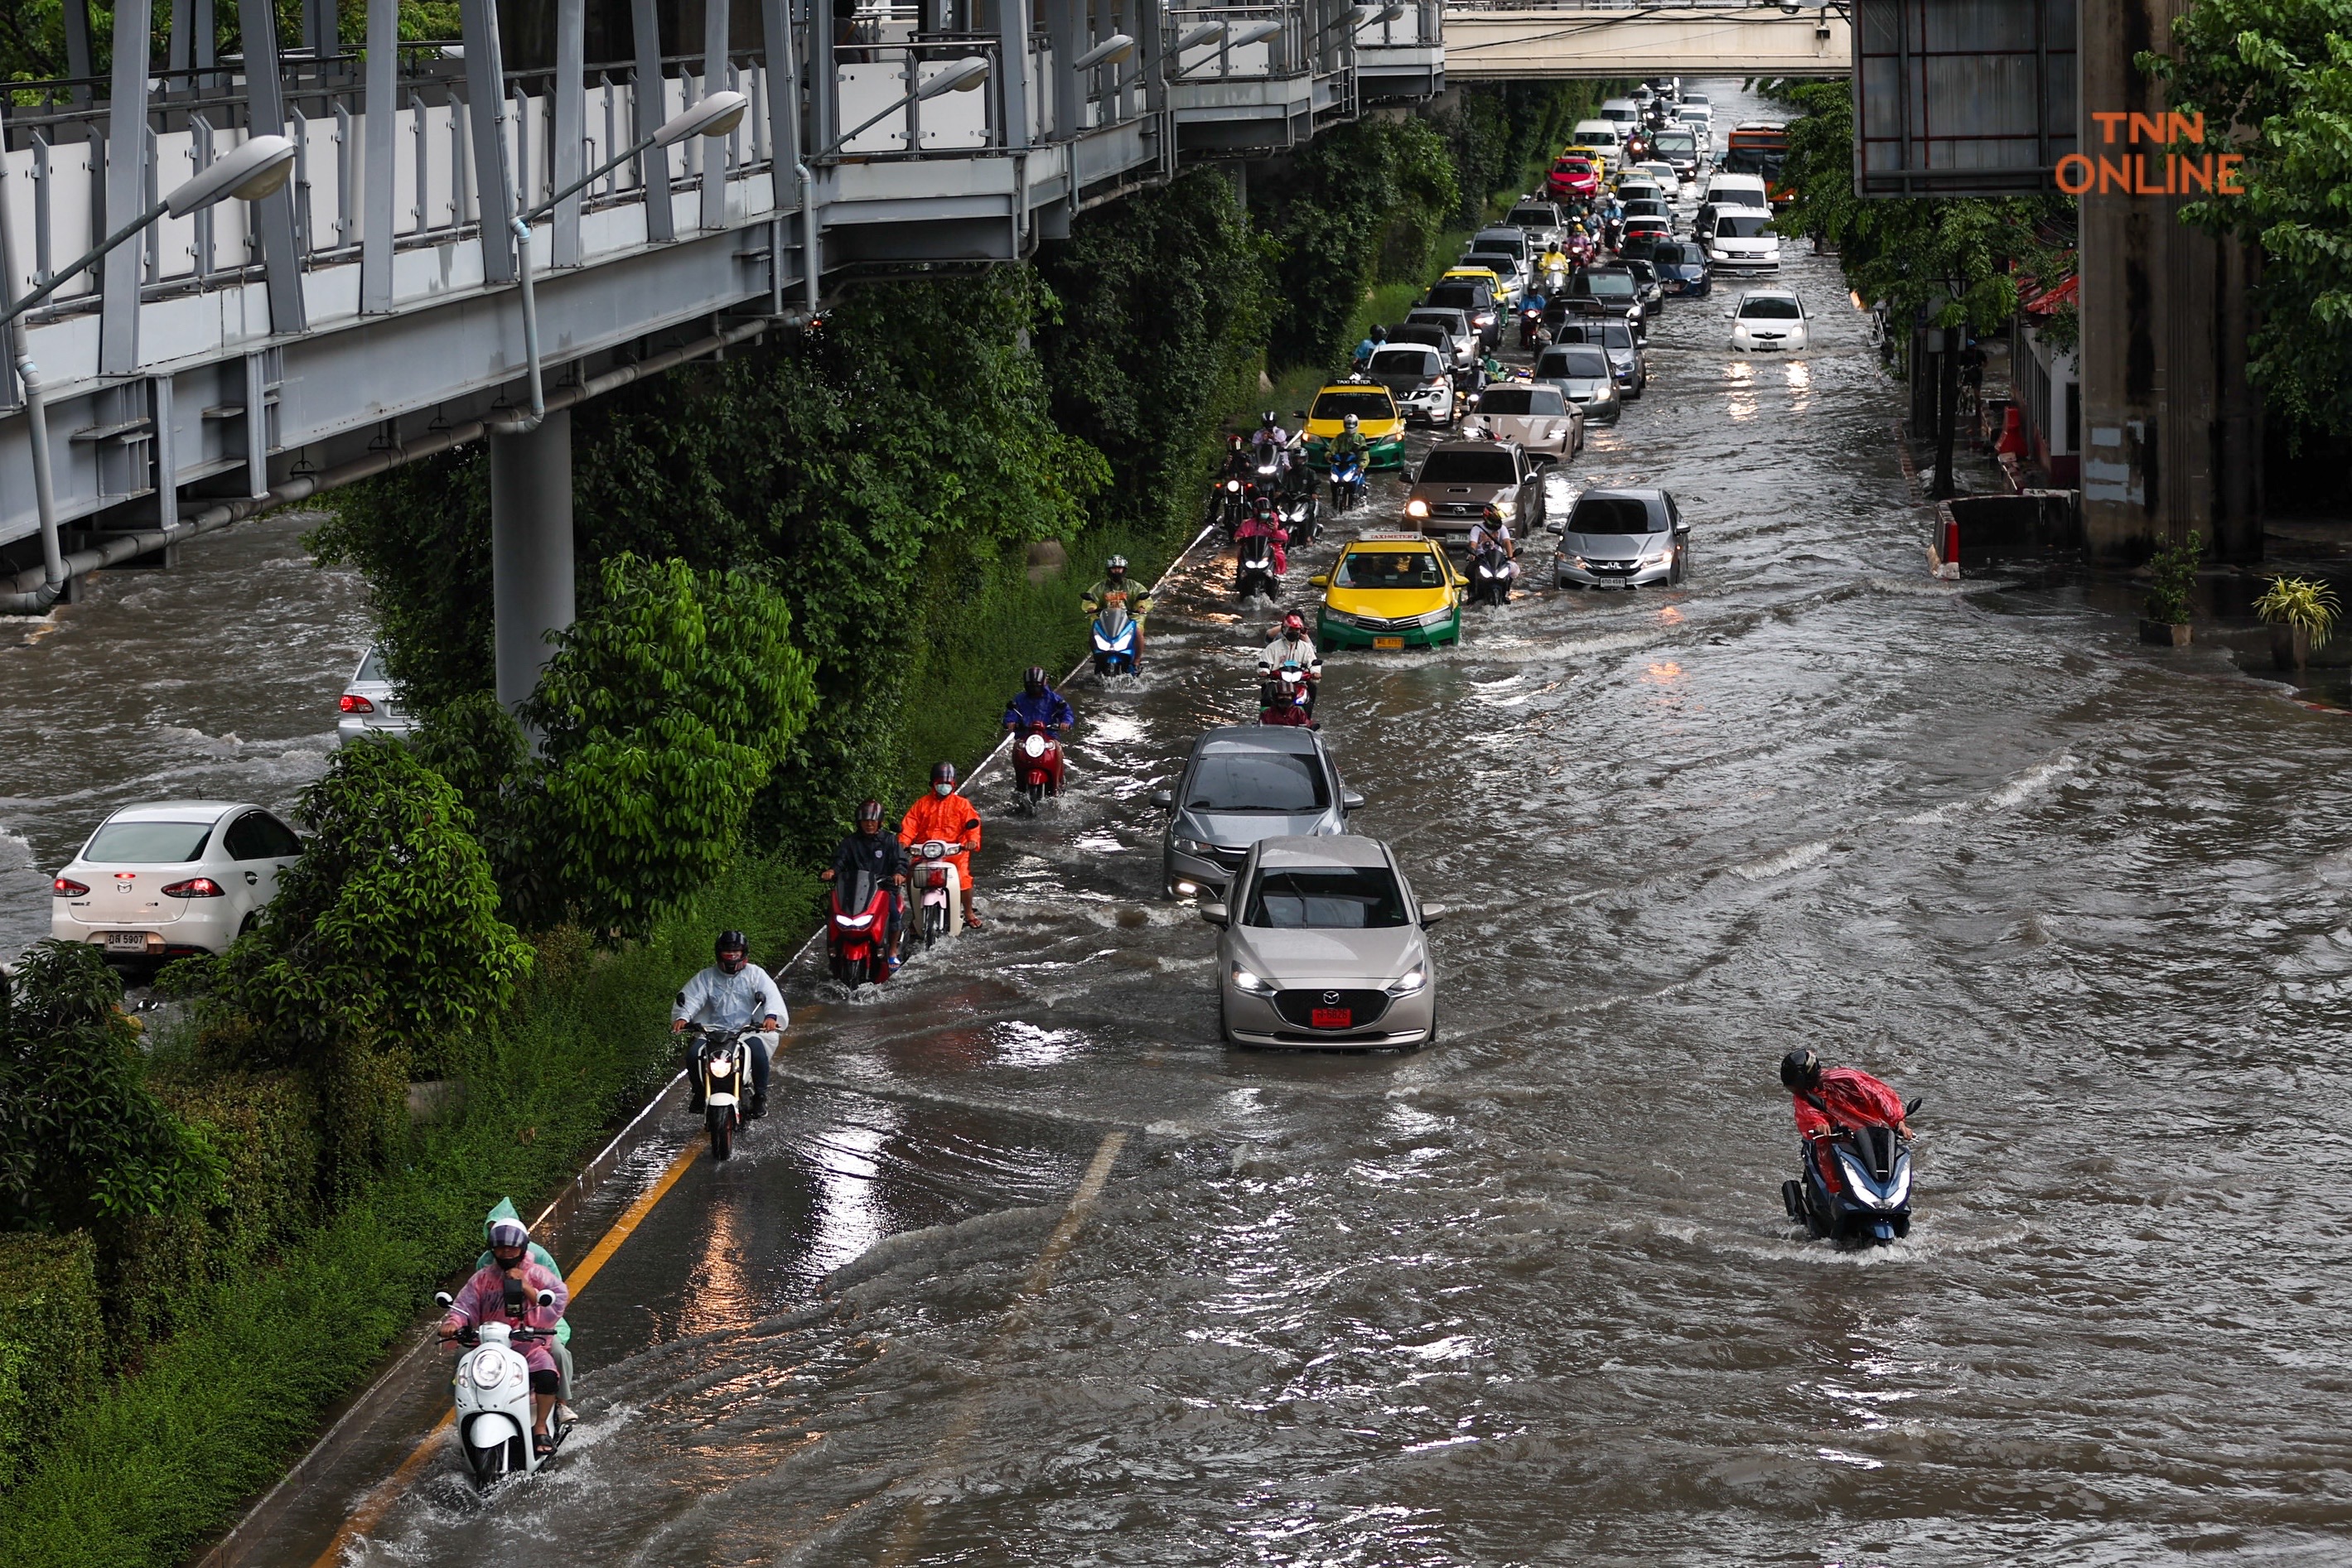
(1855, 1099)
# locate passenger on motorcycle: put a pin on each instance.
(1371, 345)
(948, 817)
(1276, 703)
(1264, 523)
(508, 1291)
(1038, 703)
(1826, 1100)
(880, 856)
(731, 993)
(1115, 588)
(560, 1348)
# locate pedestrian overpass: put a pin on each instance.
(1517, 40)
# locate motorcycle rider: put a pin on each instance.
(560, 1348)
(1115, 588)
(1553, 260)
(1369, 346)
(508, 1289)
(1270, 434)
(1264, 523)
(945, 815)
(1276, 703)
(1291, 645)
(1038, 703)
(1494, 530)
(1613, 220)
(1827, 1100)
(1350, 442)
(733, 992)
(880, 856)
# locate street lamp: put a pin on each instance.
(1110, 51)
(1255, 33)
(257, 168)
(716, 115)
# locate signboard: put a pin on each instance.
(1963, 97)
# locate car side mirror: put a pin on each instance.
(1299, 414)
(444, 1300)
(1215, 915)
(1349, 800)
(1163, 799)
(1323, 581)
(1431, 914)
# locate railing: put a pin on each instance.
(870, 78)
(1281, 54)
(1422, 25)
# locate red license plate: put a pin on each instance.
(1332, 1017)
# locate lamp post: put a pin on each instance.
(257, 168)
(1215, 32)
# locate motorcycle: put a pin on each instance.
(1580, 250)
(1254, 569)
(492, 1397)
(1299, 519)
(1036, 767)
(1228, 505)
(722, 1068)
(1114, 641)
(1490, 576)
(1347, 481)
(1872, 1206)
(858, 933)
(1301, 689)
(940, 886)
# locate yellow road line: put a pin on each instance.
(372, 1507)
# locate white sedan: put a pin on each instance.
(1769, 320)
(172, 879)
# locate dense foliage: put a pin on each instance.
(1361, 203)
(1499, 132)
(2273, 79)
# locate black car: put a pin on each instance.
(1682, 270)
(1474, 299)
(1611, 287)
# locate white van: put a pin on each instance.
(1736, 191)
(1601, 135)
(1623, 110)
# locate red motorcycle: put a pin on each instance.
(1036, 767)
(858, 934)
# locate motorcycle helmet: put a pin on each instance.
(509, 1241)
(1032, 680)
(1380, 334)
(1265, 419)
(1801, 1070)
(869, 811)
(732, 951)
(943, 777)
(1263, 509)
(1348, 421)
(1116, 566)
(1294, 624)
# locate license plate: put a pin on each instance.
(1332, 1017)
(1388, 642)
(126, 941)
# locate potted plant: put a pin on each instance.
(2172, 571)
(2301, 616)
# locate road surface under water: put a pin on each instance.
(1527, 1296)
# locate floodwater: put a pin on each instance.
(1527, 1296)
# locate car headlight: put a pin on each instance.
(1410, 982)
(1574, 561)
(1245, 981)
(1188, 846)
(1416, 508)
(1720, 255)
(1505, 508)
(1434, 618)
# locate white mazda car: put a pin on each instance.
(172, 879)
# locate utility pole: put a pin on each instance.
(1948, 401)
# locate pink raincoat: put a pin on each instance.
(482, 1299)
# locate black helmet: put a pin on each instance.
(868, 811)
(1799, 1069)
(1265, 419)
(1032, 680)
(1380, 334)
(943, 773)
(733, 942)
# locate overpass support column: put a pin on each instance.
(531, 550)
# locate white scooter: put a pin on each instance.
(493, 1400)
(939, 890)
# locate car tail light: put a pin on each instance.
(66, 887)
(355, 703)
(195, 887)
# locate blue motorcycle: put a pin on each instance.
(1872, 1206)
(1114, 641)
(1347, 481)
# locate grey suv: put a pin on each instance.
(1460, 479)
(1243, 783)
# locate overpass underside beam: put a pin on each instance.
(1563, 42)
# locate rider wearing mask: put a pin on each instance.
(560, 1348)
(508, 1291)
(730, 994)
(1291, 645)
(1038, 703)
(1827, 1100)
(1264, 523)
(1275, 703)
(947, 816)
(880, 856)
(1115, 588)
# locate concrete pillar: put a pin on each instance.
(2171, 430)
(531, 550)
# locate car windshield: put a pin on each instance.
(1445, 321)
(1372, 402)
(1535, 217)
(1509, 241)
(1613, 514)
(1496, 262)
(1335, 898)
(1605, 285)
(1645, 207)
(147, 844)
(1615, 334)
(1389, 568)
(1252, 779)
(1678, 256)
(1743, 226)
(1752, 161)
(1466, 298)
(1405, 362)
(1676, 141)
(1571, 166)
(1522, 400)
(1576, 363)
(1766, 309)
(1422, 332)
(1469, 466)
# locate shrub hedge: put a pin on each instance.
(51, 1341)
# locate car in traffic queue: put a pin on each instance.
(1420, 378)
(1503, 289)
(1603, 140)
(1622, 538)
(1324, 946)
(1536, 415)
(368, 705)
(1635, 186)
(1646, 288)
(1642, 237)
(1740, 240)
(1461, 478)
(1627, 362)
(1682, 270)
(1614, 289)
(1475, 297)
(1507, 238)
(172, 879)
(1585, 377)
(1451, 349)
(1574, 177)
(1678, 147)
(1769, 320)
(1541, 221)
(1378, 420)
(1668, 178)
(1389, 591)
(1512, 273)
(1241, 783)
(1461, 331)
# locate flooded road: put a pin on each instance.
(1528, 1296)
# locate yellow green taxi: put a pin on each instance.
(1378, 420)
(1507, 294)
(1391, 590)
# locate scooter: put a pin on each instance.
(1036, 767)
(1872, 1206)
(1302, 690)
(1114, 643)
(492, 1397)
(858, 933)
(1490, 576)
(1531, 321)
(1346, 482)
(939, 888)
(1254, 567)
(1228, 506)
(1298, 509)
(722, 1070)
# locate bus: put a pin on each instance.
(1761, 147)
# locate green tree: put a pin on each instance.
(1351, 192)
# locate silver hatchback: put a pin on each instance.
(368, 705)
(1243, 783)
(1325, 947)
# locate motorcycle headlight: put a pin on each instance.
(488, 1371)
(858, 922)
(1245, 981)
(1410, 982)
(1102, 643)
(1034, 746)
(721, 1066)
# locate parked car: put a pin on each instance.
(1456, 325)
(1769, 320)
(1239, 784)
(1420, 378)
(1583, 373)
(1682, 270)
(172, 879)
(1623, 539)
(1536, 415)
(1743, 241)
(1460, 479)
(1324, 946)
(368, 705)
(1612, 337)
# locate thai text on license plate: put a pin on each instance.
(1388, 642)
(127, 941)
(1332, 1017)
